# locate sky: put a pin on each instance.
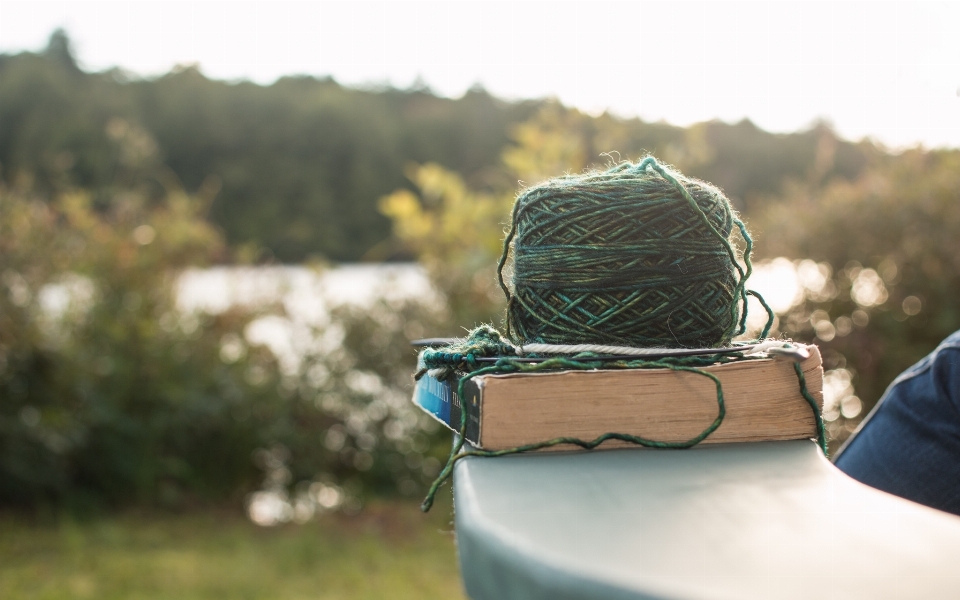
(887, 71)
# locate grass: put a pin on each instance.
(390, 550)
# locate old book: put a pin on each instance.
(762, 398)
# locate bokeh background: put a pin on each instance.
(221, 223)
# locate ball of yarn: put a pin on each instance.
(637, 255)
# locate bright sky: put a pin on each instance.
(888, 71)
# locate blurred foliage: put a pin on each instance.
(888, 250)
(108, 392)
(457, 234)
(301, 163)
(113, 394)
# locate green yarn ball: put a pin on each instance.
(638, 255)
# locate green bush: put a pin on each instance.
(889, 253)
(113, 395)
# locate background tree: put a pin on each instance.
(302, 163)
(890, 241)
(113, 394)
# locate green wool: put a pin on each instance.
(638, 255)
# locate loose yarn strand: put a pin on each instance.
(770, 316)
(747, 254)
(503, 259)
(821, 431)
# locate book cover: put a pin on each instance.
(763, 401)
(439, 399)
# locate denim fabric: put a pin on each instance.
(909, 445)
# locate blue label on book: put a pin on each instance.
(434, 396)
(438, 398)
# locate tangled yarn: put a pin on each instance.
(461, 355)
(638, 255)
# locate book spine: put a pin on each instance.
(439, 399)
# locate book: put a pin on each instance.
(762, 398)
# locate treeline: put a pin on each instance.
(296, 168)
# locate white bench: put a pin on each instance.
(752, 520)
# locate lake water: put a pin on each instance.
(305, 296)
(305, 293)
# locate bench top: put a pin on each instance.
(749, 520)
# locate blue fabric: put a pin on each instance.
(909, 445)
